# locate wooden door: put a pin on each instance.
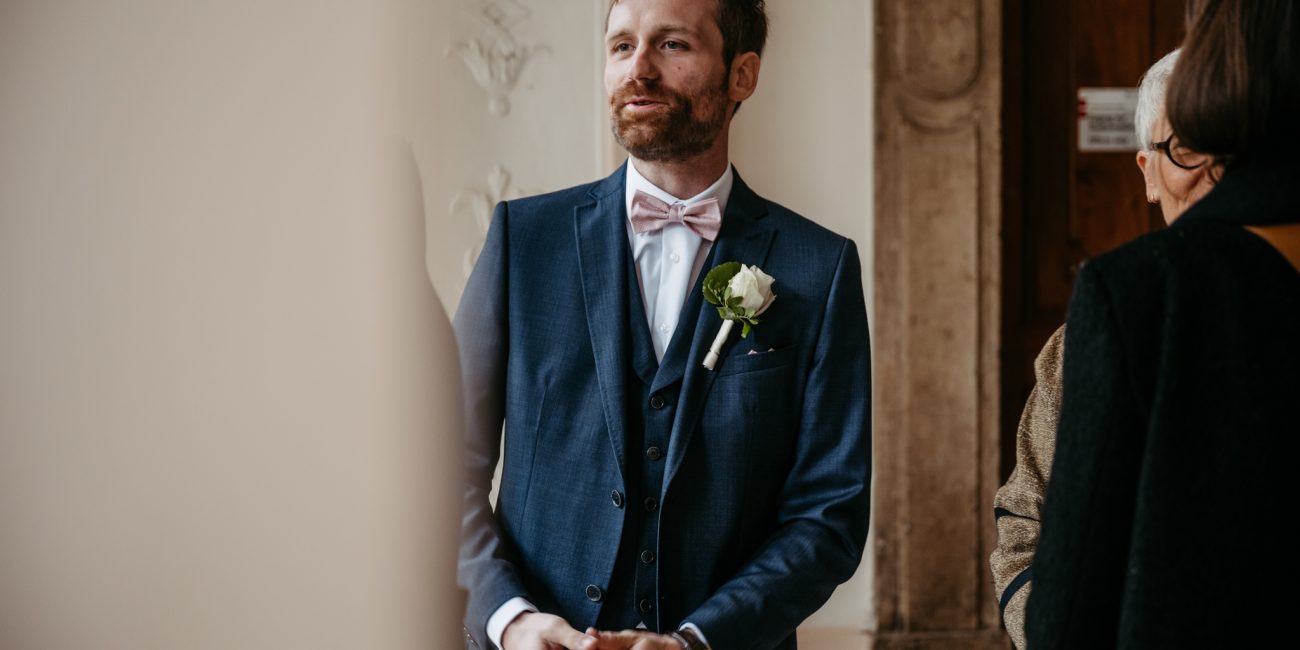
(1061, 206)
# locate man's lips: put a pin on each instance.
(642, 103)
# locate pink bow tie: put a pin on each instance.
(650, 214)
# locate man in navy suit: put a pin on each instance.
(643, 494)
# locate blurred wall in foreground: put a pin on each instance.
(228, 398)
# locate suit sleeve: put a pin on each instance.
(1079, 568)
(825, 503)
(482, 333)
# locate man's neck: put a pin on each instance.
(686, 178)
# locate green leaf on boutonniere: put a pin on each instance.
(715, 284)
(740, 294)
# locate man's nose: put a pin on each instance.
(642, 66)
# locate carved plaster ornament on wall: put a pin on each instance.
(494, 57)
(478, 205)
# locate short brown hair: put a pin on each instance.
(1235, 93)
(744, 27)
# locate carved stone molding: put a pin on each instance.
(937, 283)
(477, 205)
(494, 56)
(938, 46)
(928, 115)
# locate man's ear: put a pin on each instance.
(1144, 161)
(744, 77)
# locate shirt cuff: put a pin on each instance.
(497, 622)
(694, 628)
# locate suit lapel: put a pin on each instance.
(638, 326)
(744, 238)
(602, 263)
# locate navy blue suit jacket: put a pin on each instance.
(765, 499)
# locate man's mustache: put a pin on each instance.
(624, 94)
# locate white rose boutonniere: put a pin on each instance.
(741, 293)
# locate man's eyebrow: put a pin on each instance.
(658, 31)
(674, 29)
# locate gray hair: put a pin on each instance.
(1151, 98)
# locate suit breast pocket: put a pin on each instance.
(760, 388)
(745, 362)
(753, 411)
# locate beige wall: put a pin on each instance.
(215, 402)
(804, 139)
(228, 407)
(471, 157)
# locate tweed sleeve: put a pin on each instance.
(1018, 503)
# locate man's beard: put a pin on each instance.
(673, 134)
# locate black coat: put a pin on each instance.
(1173, 486)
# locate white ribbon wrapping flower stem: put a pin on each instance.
(715, 350)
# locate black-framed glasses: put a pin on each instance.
(1182, 157)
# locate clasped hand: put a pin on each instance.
(538, 631)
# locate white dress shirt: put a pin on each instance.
(667, 263)
(669, 260)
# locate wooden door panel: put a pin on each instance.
(1062, 206)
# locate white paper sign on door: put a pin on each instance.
(1106, 119)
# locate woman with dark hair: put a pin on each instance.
(1166, 521)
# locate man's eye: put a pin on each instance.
(674, 45)
(622, 47)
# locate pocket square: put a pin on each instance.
(753, 352)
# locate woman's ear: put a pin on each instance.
(1145, 162)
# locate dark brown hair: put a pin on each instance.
(744, 27)
(1235, 93)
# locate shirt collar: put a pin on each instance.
(720, 190)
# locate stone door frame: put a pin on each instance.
(937, 321)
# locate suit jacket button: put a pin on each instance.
(594, 594)
(616, 498)
(647, 556)
(651, 504)
(657, 402)
(645, 605)
(654, 453)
